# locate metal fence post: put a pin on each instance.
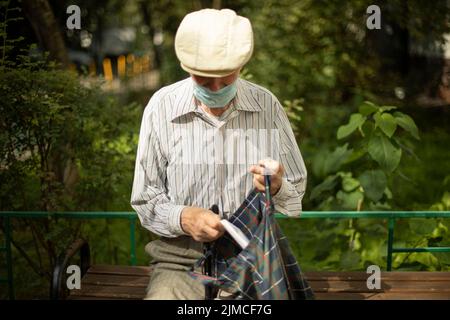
(132, 241)
(391, 225)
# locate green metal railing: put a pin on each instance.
(132, 217)
(391, 216)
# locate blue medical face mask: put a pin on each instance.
(215, 99)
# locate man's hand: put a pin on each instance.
(201, 224)
(271, 167)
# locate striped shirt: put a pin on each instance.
(187, 157)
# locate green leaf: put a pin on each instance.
(336, 158)
(349, 200)
(374, 184)
(328, 184)
(356, 121)
(327, 162)
(367, 128)
(388, 193)
(367, 108)
(349, 184)
(355, 155)
(387, 108)
(384, 153)
(386, 122)
(407, 123)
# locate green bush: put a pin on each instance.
(65, 145)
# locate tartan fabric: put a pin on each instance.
(266, 269)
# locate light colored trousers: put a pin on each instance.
(172, 259)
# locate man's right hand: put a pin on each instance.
(201, 224)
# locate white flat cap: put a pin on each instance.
(213, 43)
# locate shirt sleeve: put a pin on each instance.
(288, 199)
(149, 196)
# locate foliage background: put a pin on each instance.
(66, 144)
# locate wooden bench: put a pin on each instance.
(130, 282)
(126, 282)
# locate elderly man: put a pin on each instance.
(205, 140)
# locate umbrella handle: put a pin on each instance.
(215, 208)
(267, 189)
(210, 292)
(208, 247)
(267, 185)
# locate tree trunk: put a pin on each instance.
(41, 17)
(147, 16)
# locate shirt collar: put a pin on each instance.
(246, 99)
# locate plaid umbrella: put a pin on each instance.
(266, 269)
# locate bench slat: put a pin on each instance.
(106, 292)
(128, 282)
(386, 286)
(125, 270)
(115, 280)
(381, 296)
(392, 275)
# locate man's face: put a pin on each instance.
(215, 84)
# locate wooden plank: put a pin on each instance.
(127, 282)
(386, 286)
(73, 297)
(125, 270)
(115, 280)
(393, 275)
(312, 275)
(381, 296)
(322, 286)
(115, 292)
(120, 293)
(97, 292)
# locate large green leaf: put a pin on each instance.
(355, 155)
(326, 162)
(367, 108)
(336, 158)
(356, 121)
(374, 184)
(382, 151)
(386, 122)
(407, 123)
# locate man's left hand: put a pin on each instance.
(264, 167)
